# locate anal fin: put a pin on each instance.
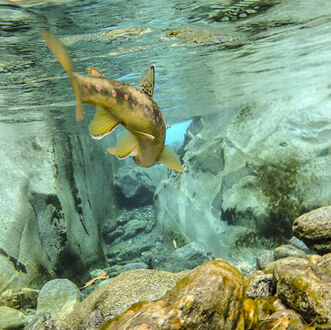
(126, 146)
(102, 124)
(170, 159)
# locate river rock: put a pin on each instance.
(314, 229)
(119, 294)
(187, 257)
(55, 325)
(11, 318)
(209, 297)
(19, 298)
(238, 179)
(135, 186)
(129, 251)
(58, 298)
(128, 224)
(267, 313)
(36, 321)
(264, 257)
(288, 250)
(260, 285)
(245, 268)
(134, 265)
(133, 228)
(269, 268)
(305, 286)
(301, 245)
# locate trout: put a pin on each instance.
(116, 104)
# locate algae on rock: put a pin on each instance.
(278, 183)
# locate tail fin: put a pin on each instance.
(61, 53)
(59, 50)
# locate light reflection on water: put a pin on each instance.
(212, 66)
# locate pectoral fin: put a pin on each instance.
(102, 124)
(170, 159)
(126, 146)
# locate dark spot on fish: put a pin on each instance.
(121, 97)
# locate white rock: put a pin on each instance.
(58, 298)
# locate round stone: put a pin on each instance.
(58, 298)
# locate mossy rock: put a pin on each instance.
(279, 184)
(19, 298)
(305, 287)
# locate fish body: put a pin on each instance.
(116, 104)
(131, 108)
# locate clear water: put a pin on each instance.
(209, 59)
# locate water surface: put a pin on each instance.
(210, 57)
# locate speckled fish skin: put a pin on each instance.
(135, 110)
(119, 103)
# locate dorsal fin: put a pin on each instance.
(147, 81)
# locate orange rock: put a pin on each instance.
(209, 297)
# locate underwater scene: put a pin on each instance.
(165, 164)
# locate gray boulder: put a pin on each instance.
(263, 258)
(135, 186)
(288, 250)
(133, 228)
(128, 224)
(300, 245)
(259, 180)
(57, 298)
(134, 265)
(186, 257)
